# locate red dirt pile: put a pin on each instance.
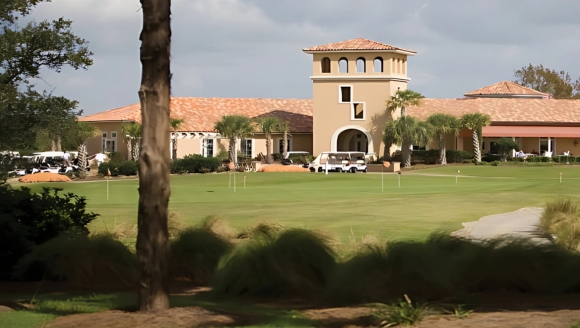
(283, 168)
(44, 177)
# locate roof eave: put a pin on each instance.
(504, 95)
(399, 51)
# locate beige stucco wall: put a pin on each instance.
(94, 145)
(567, 144)
(370, 88)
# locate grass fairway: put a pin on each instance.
(346, 205)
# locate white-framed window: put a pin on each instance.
(361, 65)
(281, 145)
(378, 65)
(208, 147)
(357, 111)
(343, 65)
(109, 142)
(248, 147)
(345, 94)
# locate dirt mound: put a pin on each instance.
(44, 177)
(175, 317)
(283, 168)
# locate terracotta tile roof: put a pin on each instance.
(355, 44)
(200, 114)
(526, 110)
(506, 88)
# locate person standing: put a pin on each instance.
(66, 158)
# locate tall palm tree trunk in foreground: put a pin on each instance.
(152, 238)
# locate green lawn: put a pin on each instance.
(344, 204)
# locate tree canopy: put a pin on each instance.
(558, 84)
(24, 52)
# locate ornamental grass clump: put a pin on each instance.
(561, 219)
(445, 266)
(195, 254)
(98, 260)
(292, 263)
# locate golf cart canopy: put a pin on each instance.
(304, 153)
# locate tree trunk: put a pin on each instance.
(152, 239)
(476, 151)
(174, 141)
(403, 111)
(442, 157)
(130, 149)
(268, 149)
(285, 153)
(387, 153)
(82, 160)
(136, 148)
(232, 149)
(406, 153)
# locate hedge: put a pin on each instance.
(118, 168)
(194, 164)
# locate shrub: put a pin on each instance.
(195, 254)
(561, 218)
(490, 158)
(116, 157)
(401, 313)
(28, 218)
(105, 167)
(294, 263)
(128, 168)
(223, 155)
(194, 164)
(458, 156)
(81, 260)
(276, 156)
(444, 267)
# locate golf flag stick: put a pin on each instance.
(560, 177)
(387, 165)
(234, 181)
(456, 176)
(230, 180)
(399, 175)
(108, 176)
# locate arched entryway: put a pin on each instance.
(352, 138)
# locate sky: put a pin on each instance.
(253, 48)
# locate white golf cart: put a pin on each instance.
(339, 161)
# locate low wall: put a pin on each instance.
(395, 167)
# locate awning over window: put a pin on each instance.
(532, 131)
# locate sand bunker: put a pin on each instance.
(283, 168)
(44, 177)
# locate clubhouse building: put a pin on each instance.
(352, 80)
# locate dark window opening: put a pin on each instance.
(345, 94)
(358, 111)
(325, 63)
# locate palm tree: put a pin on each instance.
(175, 124)
(407, 131)
(234, 127)
(132, 135)
(444, 124)
(268, 125)
(475, 122)
(83, 131)
(284, 127)
(402, 99)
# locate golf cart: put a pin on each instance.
(339, 161)
(288, 161)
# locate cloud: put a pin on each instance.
(252, 48)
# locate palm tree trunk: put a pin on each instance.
(476, 151)
(268, 149)
(442, 157)
(403, 111)
(174, 141)
(136, 149)
(82, 149)
(285, 153)
(387, 153)
(406, 153)
(152, 238)
(130, 149)
(232, 150)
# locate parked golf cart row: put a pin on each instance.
(340, 161)
(52, 162)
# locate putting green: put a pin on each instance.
(348, 205)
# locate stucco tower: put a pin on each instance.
(352, 80)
